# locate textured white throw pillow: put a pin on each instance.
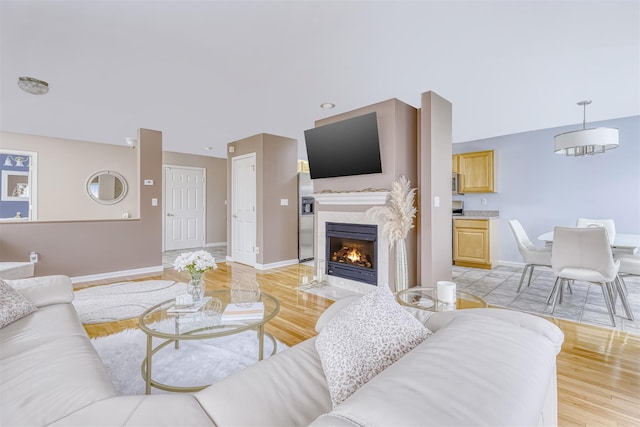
(13, 306)
(364, 339)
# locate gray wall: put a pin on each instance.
(543, 189)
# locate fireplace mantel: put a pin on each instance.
(352, 198)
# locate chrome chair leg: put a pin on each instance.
(553, 291)
(530, 274)
(607, 299)
(558, 294)
(524, 273)
(620, 279)
(624, 300)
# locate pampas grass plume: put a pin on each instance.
(399, 211)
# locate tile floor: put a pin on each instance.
(586, 304)
(219, 254)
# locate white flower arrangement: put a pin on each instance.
(195, 262)
(399, 212)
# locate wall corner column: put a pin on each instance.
(434, 198)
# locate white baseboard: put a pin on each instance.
(213, 245)
(277, 264)
(271, 265)
(114, 274)
(512, 264)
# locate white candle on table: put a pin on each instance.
(446, 292)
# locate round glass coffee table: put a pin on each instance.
(425, 298)
(163, 322)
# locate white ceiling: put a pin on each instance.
(206, 73)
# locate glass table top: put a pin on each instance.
(424, 297)
(207, 322)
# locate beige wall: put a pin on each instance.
(80, 248)
(276, 176)
(280, 181)
(435, 251)
(65, 165)
(216, 194)
(398, 134)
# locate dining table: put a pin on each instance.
(623, 243)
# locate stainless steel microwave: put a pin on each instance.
(455, 184)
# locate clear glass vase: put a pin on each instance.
(195, 288)
(402, 270)
(245, 292)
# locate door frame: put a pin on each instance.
(164, 201)
(254, 156)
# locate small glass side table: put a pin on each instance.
(424, 298)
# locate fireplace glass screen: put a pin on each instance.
(351, 251)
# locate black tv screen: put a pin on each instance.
(345, 148)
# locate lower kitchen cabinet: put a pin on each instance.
(475, 242)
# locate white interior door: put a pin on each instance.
(243, 209)
(184, 207)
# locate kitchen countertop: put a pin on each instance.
(473, 214)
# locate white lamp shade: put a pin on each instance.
(586, 141)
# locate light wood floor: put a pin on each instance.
(598, 369)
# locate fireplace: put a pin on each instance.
(351, 251)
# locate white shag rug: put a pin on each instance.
(198, 362)
(118, 301)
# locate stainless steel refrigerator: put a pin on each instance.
(305, 217)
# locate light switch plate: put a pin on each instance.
(436, 201)
(284, 202)
(154, 202)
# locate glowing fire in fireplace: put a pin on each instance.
(352, 255)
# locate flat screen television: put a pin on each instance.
(345, 148)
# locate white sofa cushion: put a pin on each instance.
(45, 290)
(365, 338)
(13, 306)
(475, 370)
(287, 389)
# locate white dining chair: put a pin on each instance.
(584, 254)
(531, 254)
(629, 266)
(607, 224)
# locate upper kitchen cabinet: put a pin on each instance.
(454, 164)
(477, 170)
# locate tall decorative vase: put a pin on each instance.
(196, 286)
(402, 269)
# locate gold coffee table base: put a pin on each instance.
(177, 389)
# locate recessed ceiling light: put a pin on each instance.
(33, 86)
(208, 148)
(327, 105)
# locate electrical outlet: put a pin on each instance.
(257, 250)
(33, 257)
(483, 201)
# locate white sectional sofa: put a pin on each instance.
(480, 367)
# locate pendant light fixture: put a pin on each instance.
(586, 141)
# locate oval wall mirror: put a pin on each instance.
(107, 187)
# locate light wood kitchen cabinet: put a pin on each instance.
(477, 172)
(454, 163)
(475, 242)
